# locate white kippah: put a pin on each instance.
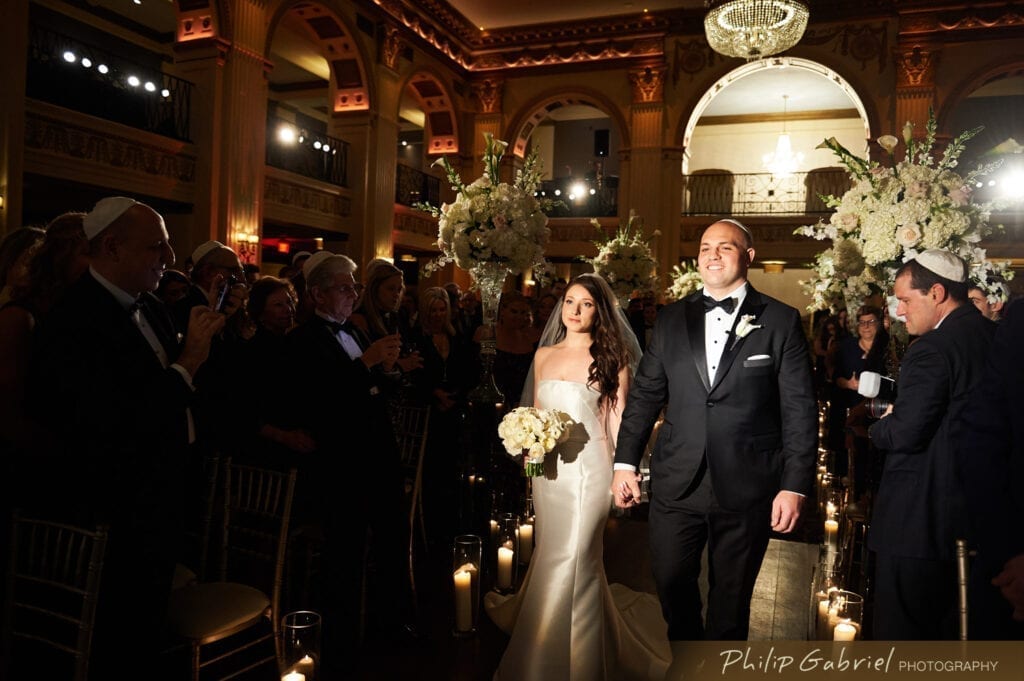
(300, 254)
(314, 261)
(203, 250)
(943, 263)
(104, 213)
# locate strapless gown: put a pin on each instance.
(566, 622)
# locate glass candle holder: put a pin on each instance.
(507, 554)
(300, 646)
(527, 527)
(845, 615)
(466, 557)
(827, 579)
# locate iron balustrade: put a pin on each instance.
(85, 78)
(723, 193)
(413, 186)
(317, 156)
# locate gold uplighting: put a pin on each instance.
(752, 29)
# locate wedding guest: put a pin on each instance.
(868, 351)
(565, 621)
(919, 510)
(113, 385)
(989, 306)
(173, 287)
(513, 344)
(15, 252)
(734, 459)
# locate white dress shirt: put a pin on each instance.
(717, 327)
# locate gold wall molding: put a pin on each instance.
(865, 43)
(284, 193)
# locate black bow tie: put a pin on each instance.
(345, 326)
(727, 304)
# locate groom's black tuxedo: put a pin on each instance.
(725, 450)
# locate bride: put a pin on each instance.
(565, 621)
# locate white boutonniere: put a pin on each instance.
(745, 326)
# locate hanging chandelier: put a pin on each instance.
(752, 29)
(783, 162)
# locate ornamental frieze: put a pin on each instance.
(864, 43)
(291, 195)
(81, 143)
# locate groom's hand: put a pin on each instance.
(786, 511)
(626, 488)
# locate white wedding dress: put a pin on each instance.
(566, 623)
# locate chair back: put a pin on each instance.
(254, 534)
(53, 584)
(411, 424)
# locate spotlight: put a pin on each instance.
(133, 81)
(404, 143)
(70, 57)
(317, 145)
(149, 86)
(286, 134)
(1013, 185)
(558, 192)
(572, 197)
(579, 189)
(302, 137)
(102, 68)
(326, 148)
(592, 191)
(165, 93)
(86, 62)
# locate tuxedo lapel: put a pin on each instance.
(753, 305)
(695, 336)
(160, 321)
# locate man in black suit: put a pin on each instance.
(990, 450)
(919, 512)
(340, 402)
(110, 381)
(735, 454)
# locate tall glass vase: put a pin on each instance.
(489, 278)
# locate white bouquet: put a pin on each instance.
(684, 281)
(492, 222)
(892, 213)
(535, 432)
(625, 260)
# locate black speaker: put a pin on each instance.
(600, 143)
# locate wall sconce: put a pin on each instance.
(1, 201)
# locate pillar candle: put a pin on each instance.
(494, 531)
(525, 542)
(305, 666)
(463, 600)
(831, 533)
(844, 631)
(505, 557)
(822, 622)
(293, 676)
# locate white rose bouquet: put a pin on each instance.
(684, 281)
(894, 212)
(625, 260)
(535, 432)
(492, 222)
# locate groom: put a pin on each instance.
(735, 454)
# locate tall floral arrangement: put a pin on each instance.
(893, 212)
(683, 281)
(625, 259)
(492, 224)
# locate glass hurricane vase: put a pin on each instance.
(490, 279)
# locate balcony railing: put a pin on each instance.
(82, 77)
(413, 186)
(718, 192)
(581, 198)
(296, 150)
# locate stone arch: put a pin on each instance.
(349, 86)
(980, 77)
(434, 98)
(535, 111)
(688, 121)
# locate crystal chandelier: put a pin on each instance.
(752, 29)
(782, 162)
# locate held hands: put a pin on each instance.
(383, 351)
(626, 488)
(786, 511)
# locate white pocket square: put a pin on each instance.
(755, 357)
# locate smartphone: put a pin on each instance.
(222, 295)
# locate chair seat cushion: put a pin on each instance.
(199, 611)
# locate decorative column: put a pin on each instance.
(229, 120)
(915, 82)
(655, 182)
(488, 93)
(13, 64)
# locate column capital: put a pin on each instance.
(916, 64)
(488, 92)
(648, 84)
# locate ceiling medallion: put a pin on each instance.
(751, 29)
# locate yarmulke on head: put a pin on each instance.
(299, 256)
(943, 263)
(104, 213)
(314, 261)
(204, 250)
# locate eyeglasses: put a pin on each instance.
(867, 322)
(350, 289)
